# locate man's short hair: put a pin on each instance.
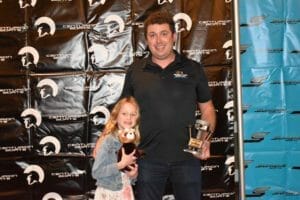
(159, 17)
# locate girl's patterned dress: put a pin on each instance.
(125, 194)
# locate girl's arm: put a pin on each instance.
(105, 163)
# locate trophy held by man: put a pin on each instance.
(203, 135)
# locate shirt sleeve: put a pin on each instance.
(203, 91)
(103, 167)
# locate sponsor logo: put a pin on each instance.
(29, 55)
(230, 111)
(31, 117)
(220, 83)
(23, 28)
(287, 139)
(99, 54)
(45, 26)
(8, 91)
(100, 115)
(35, 174)
(209, 167)
(52, 196)
(214, 22)
(95, 2)
(255, 21)
(279, 110)
(258, 192)
(255, 82)
(115, 25)
(47, 88)
(285, 21)
(271, 166)
(228, 52)
(27, 3)
(10, 149)
(160, 2)
(187, 22)
(218, 195)
(51, 145)
(8, 177)
(257, 137)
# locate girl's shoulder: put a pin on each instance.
(110, 138)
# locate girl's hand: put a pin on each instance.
(133, 172)
(126, 159)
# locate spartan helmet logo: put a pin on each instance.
(228, 53)
(230, 165)
(51, 145)
(230, 111)
(52, 196)
(186, 19)
(27, 3)
(35, 174)
(29, 56)
(160, 2)
(47, 88)
(94, 2)
(96, 113)
(45, 26)
(98, 54)
(31, 117)
(112, 28)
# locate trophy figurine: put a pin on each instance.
(195, 144)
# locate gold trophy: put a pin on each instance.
(195, 144)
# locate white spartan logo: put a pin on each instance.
(228, 52)
(98, 53)
(35, 174)
(115, 19)
(97, 120)
(45, 26)
(52, 196)
(46, 142)
(47, 88)
(24, 3)
(94, 2)
(31, 117)
(29, 56)
(184, 17)
(160, 2)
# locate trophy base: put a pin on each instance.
(194, 152)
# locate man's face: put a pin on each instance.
(160, 41)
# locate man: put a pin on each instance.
(168, 88)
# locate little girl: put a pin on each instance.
(113, 184)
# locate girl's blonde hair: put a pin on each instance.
(111, 126)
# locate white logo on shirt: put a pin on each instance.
(180, 74)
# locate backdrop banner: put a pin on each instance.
(62, 68)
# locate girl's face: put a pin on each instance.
(127, 116)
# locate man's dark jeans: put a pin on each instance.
(185, 178)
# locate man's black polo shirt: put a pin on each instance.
(168, 101)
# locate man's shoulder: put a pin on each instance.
(186, 61)
(139, 63)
